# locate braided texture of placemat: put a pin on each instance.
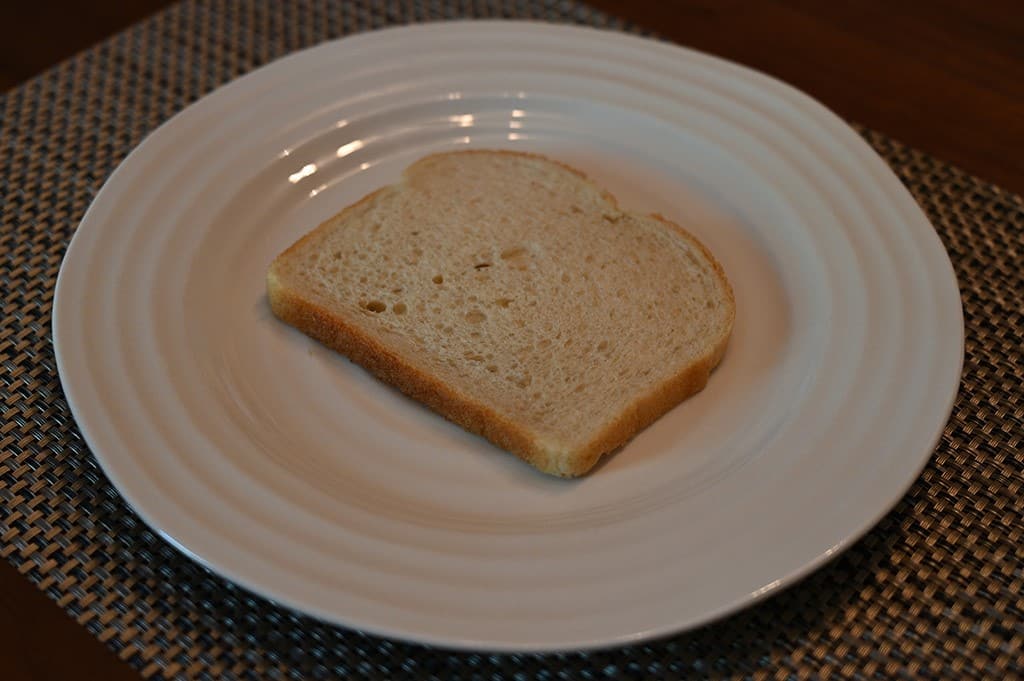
(935, 590)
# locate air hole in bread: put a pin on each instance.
(399, 308)
(602, 346)
(375, 306)
(475, 316)
(438, 279)
(503, 302)
(492, 368)
(481, 265)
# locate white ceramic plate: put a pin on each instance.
(287, 469)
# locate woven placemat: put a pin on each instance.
(935, 590)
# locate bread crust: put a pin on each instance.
(389, 365)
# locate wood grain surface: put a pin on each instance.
(946, 76)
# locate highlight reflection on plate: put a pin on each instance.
(289, 470)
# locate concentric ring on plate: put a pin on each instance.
(290, 471)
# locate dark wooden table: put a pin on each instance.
(945, 76)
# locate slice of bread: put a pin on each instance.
(510, 294)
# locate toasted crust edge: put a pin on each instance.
(339, 334)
